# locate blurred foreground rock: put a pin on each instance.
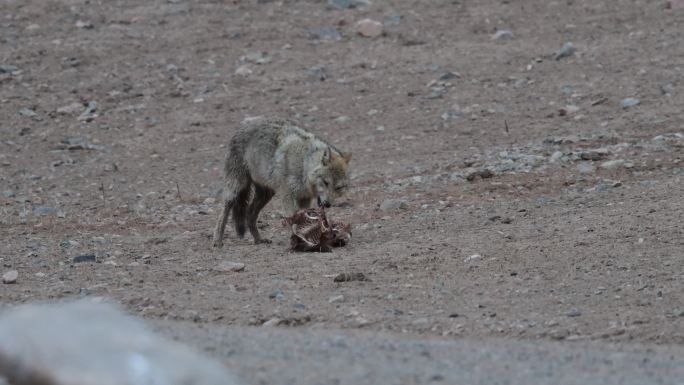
(82, 343)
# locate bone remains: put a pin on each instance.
(311, 231)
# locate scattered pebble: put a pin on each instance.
(449, 75)
(70, 109)
(243, 70)
(567, 50)
(393, 20)
(228, 266)
(8, 68)
(84, 24)
(336, 298)
(585, 167)
(318, 72)
(43, 211)
(348, 277)
(342, 119)
(325, 33)
(28, 112)
(594, 155)
(89, 114)
(502, 34)
(568, 110)
(482, 173)
(369, 28)
(614, 164)
(393, 205)
(276, 294)
(347, 4)
(272, 322)
(10, 277)
(255, 57)
(573, 313)
(629, 102)
(667, 89)
(473, 257)
(84, 258)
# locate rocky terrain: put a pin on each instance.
(517, 165)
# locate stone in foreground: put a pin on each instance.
(86, 343)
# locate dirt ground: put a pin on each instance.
(498, 189)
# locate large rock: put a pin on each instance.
(82, 343)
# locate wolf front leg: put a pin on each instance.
(262, 195)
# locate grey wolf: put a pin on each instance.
(273, 156)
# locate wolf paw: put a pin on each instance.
(217, 244)
(262, 240)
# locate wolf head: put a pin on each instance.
(330, 179)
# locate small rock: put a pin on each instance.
(8, 194)
(369, 28)
(585, 167)
(393, 20)
(243, 70)
(10, 277)
(594, 155)
(573, 313)
(483, 173)
(89, 114)
(567, 50)
(275, 321)
(28, 112)
(84, 258)
(318, 72)
(84, 24)
(8, 68)
(613, 164)
(502, 34)
(228, 266)
(629, 102)
(393, 204)
(556, 156)
(70, 109)
(342, 119)
(667, 89)
(276, 294)
(348, 277)
(473, 257)
(325, 33)
(256, 57)
(336, 298)
(449, 75)
(347, 4)
(42, 210)
(567, 110)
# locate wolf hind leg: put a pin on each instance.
(240, 211)
(262, 195)
(231, 191)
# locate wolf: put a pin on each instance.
(276, 155)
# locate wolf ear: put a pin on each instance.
(347, 157)
(327, 155)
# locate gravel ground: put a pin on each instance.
(517, 166)
(271, 356)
